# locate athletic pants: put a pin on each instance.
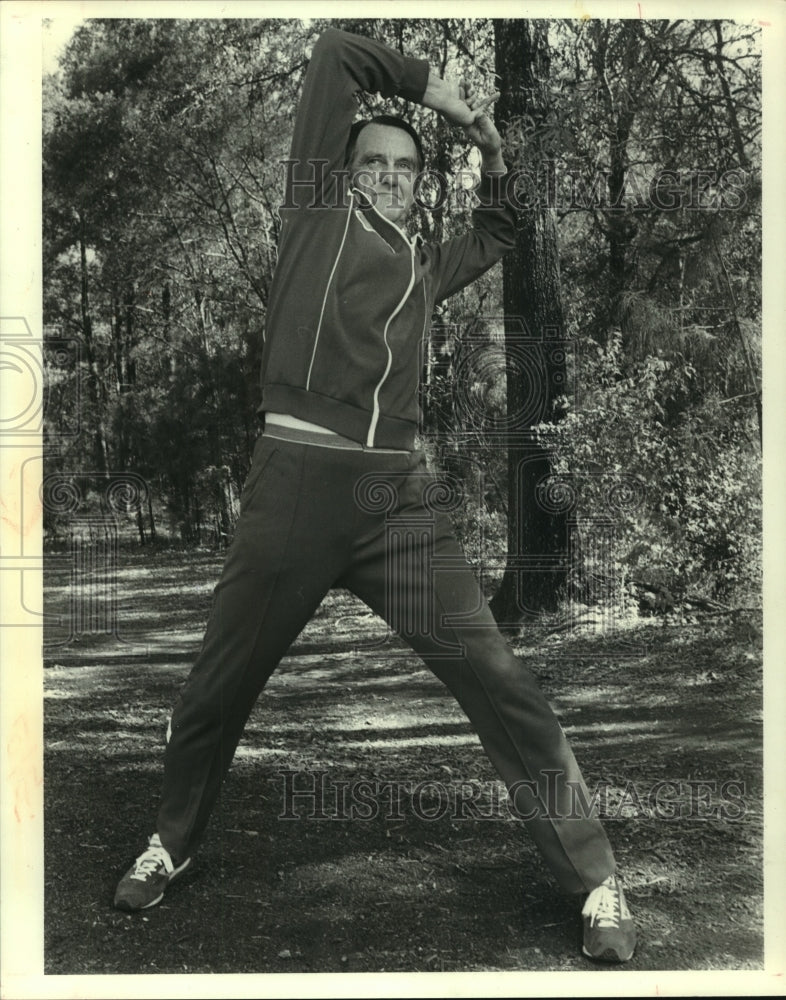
(312, 517)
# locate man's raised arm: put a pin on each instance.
(342, 64)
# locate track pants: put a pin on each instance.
(315, 517)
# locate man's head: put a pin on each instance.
(384, 157)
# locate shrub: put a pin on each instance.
(693, 520)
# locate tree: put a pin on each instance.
(168, 136)
(534, 331)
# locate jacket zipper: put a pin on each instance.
(372, 428)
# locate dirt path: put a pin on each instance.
(404, 858)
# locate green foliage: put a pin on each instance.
(693, 524)
(163, 142)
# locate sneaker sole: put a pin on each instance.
(609, 955)
(157, 900)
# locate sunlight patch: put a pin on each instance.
(610, 727)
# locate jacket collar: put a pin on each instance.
(388, 230)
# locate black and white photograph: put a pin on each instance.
(389, 398)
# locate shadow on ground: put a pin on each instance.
(396, 851)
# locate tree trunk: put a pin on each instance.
(620, 224)
(151, 518)
(535, 351)
(728, 100)
(436, 398)
(117, 336)
(166, 312)
(140, 525)
(129, 364)
(93, 381)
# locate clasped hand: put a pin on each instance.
(459, 104)
(464, 107)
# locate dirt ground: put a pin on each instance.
(406, 859)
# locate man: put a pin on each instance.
(335, 472)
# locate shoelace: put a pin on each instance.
(150, 861)
(603, 906)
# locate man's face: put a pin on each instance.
(384, 166)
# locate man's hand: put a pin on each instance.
(460, 105)
(483, 131)
(448, 98)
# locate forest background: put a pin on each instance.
(594, 403)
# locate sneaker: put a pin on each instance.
(144, 883)
(609, 931)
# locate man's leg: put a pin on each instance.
(413, 571)
(278, 569)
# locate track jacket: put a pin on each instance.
(352, 296)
